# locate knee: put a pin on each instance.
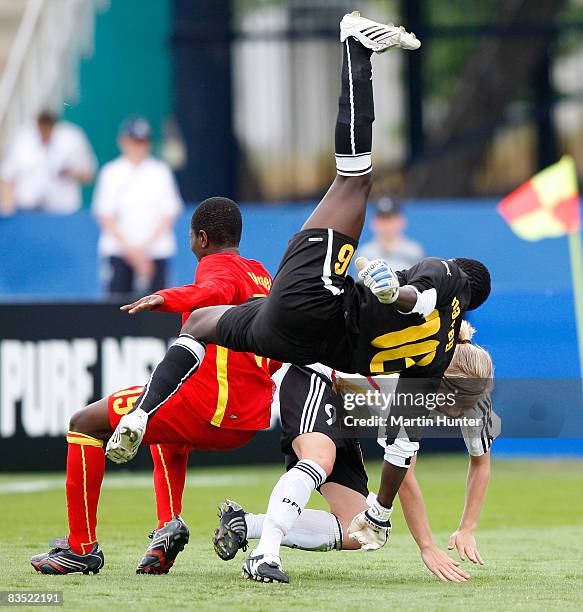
(79, 422)
(325, 461)
(93, 420)
(316, 447)
(88, 421)
(190, 326)
(327, 464)
(201, 323)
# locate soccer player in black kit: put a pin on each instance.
(405, 322)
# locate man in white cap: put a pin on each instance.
(136, 203)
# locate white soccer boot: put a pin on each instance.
(264, 568)
(377, 36)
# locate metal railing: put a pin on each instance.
(42, 67)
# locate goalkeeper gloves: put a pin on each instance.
(379, 278)
(371, 528)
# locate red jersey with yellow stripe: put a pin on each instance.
(230, 390)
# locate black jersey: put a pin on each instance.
(387, 341)
(314, 313)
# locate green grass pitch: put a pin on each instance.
(531, 536)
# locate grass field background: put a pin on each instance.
(531, 536)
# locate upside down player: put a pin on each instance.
(219, 409)
(310, 409)
(404, 322)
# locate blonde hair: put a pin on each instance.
(470, 360)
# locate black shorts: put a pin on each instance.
(309, 404)
(303, 318)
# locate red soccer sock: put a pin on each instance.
(169, 477)
(85, 469)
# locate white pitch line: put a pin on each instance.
(29, 486)
(128, 482)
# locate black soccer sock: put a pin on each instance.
(181, 361)
(355, 111)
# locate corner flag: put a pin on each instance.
(546, 206)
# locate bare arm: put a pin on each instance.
(7, 203)
(406, 300)
(85, 177)
(463, 538)
(414, 509)
(108, 223)
(136, 257)
(436, 560)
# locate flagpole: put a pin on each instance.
(576, 256)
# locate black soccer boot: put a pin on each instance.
(62, 560)
(167, 542)
(231, 534)
(264, 568)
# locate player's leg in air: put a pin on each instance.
(293, 324)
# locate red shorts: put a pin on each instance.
(177, 423)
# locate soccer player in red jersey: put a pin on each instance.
(221, 408)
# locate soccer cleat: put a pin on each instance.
(167, 542)
(62, 560)
(264, 568)
(127, 437)
(377, 36)
(231, 534)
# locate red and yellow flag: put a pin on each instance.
(547, 206)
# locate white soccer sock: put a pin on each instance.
(315, 530)
(288, 499)
(254, 525)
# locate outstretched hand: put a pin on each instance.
(445, 568)
(465, 543)
(149, 302)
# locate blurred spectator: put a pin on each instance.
(136, 203)
(45, 166)
(390, 243)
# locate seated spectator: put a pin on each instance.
(389, 242)
(45, 167)
(136, 203)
